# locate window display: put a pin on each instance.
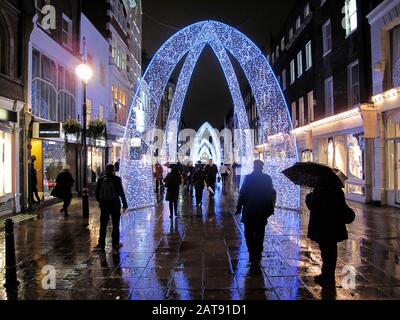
(355, 157)
(53, 162)
(5, 163)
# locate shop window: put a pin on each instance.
(355, 157)
(5, 163)
(54, 158)
(390, 165)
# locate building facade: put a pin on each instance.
(15, 27)
(95, 50)
(53, 96)
(383, 121)
(322, 61)
(120, 23)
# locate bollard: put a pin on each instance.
(11, 264)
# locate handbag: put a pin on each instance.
(349, 215)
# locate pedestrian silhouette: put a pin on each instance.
(198, 183)
(34, 182)
(211, 172)
(172, 183)
(329, 214)
(62, 190)
(109, 194)
(257, 200)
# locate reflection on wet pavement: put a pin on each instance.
(201, 255)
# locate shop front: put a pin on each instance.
(392, 135)
(9, 157)
(51, 154)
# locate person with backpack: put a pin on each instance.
(257, 200)
(109, 194)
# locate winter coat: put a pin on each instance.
(257, 199)
(64, 183)
(211, 173)
(327, 215)
(119, 190)
(199, 178)
(172, 183)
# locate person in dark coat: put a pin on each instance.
(327, 227)
(34, 182)
(189, 171)
(62, 190)
(109, 194)
(198, 183)
(257, 200)
(173, 182)
(211, 171)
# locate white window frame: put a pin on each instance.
(327, 39)
(307, 10)
(68, 32)
(351, 25)
(283, 43)
(329, 97)
(292, 72)
(351, 85)
(301, 112)
(298, 23)
(310, 106)
(308, 50)
(299, 64)
(284, 80)
(294, 114)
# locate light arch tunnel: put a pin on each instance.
(279, 144)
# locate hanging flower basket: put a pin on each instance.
(72, 127)
(97, 130)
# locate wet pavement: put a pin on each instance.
(201, 254)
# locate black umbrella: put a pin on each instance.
(313, 175)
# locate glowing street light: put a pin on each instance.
(84, 73)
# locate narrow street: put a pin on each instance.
(201, 254)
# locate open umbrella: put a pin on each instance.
(313, 175)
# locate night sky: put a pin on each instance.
(208, 98)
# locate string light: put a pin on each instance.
(136, 165)
(200, 142)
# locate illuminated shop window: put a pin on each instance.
(5, 163)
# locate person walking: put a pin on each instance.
(189, 178)
(62, 190)
(327, 226)
(223, 171)
(158, 175)
(256, 203)
(172, 182)
(117, 166)
(198, 183)
(211, 172)
(109, 194)
(34, 181)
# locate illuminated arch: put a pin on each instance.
(279, 143)
(206, 145)
(200, 142)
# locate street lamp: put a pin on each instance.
(84, 73)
